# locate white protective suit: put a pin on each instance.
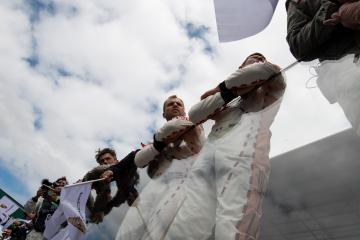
(177, 158)
(226, 185)
(339, 81)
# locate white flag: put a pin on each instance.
(12, 220)
(62, 235)
(73, 200)
(238, 19)
(72, 206)
(68, 233)
(53, 225)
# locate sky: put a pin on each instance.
(77, 75)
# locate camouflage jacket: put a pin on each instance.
(125, 176)
(310, 39)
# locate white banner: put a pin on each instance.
(238, 19)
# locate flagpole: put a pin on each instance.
(81, 183)
(291, 65)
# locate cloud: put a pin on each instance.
(79, 75)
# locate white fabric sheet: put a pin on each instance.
(339, 82)
(238, 19)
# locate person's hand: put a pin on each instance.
(333, 20)
(108, 175)
(349, 15)
(210, 92)
(30, 215)
(6, 233)
(97, 217)
(40, 192)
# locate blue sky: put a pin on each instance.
(13, 184)
(79, 75)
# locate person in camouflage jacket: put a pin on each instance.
(309, 38)
(125, 182)
(325, 30)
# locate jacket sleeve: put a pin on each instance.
(145, 155)
(206, 108)
(95, 173)
(103, 191)
(101, 199)
(126, 164)
(251, 75)
(306, 33)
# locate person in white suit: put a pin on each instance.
(227, 182)
(168, 160)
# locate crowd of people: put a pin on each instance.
(212, 188)
(37, 209)
(180, 146)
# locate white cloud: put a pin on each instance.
(104, 65)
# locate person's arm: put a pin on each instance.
(95, 173)
(306, 34)
(240, 82)
(30, 205)
(171, 131)
(250, 76)
(103, 196)
(148, 153)
(114, 172)
(206, 108)
(103, 193)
